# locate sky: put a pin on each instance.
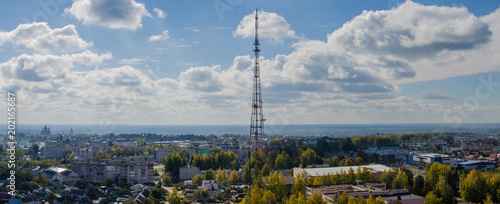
(174, 62)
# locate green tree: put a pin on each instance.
(297, 199)
(493, 183)
(35, 148)
(472, 188)
(210, 174)
(315, 199)
(348, 162)
(102, 155)
(309, 157)
(265, 170)
(268, 198)
(343, 198)
(431, 198)
(246, 173)
(174, 197)
(444, 191)
(234, 177)
(280, 162)
(299, 186)
(198, 179)
(276, 183)
(401, 181)
(388, 177)
(41, 179)
(418, 185)
(173, 163)
(359, 161)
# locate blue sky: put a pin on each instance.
(190, 62)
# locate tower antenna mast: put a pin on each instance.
(257, 119)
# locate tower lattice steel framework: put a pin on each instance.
(257, 121)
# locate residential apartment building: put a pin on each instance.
(53, 152)
(126, 169)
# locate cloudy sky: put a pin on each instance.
(190, 62)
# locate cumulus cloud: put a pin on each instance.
(38, 67)
(271, 26)
(164, 36)
(161, 14)
(404, 31)
(201, 79)
(38, 36)
(114, 14)
(435, 94)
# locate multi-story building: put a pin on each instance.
(125, 169)
(54, 152)
(84, 154)
(421, 160)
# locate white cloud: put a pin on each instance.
(161, 14)
(194, 29)
(38, 36)
(271, 26)
(115, 14)
(164, 36)
(434, 94)
(131, 61)
(38, 67)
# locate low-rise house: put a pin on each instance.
(60, 176)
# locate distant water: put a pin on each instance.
(290, 130)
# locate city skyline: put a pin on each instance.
(322, 62)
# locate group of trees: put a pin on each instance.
(173, 162)
(215, 160)
(479, 186)
(267, 189)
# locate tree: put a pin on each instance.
(246, 173)
(444, 191)
(371, 200)
(343, 198)
(299, 186)
(297, 199)
(108, 182)
(401, 181)
(268, 198)
(493, 183)
(41, 179)
(276, 183)
(234, 177)
(174, 198)
(102, 155)
(309, 157)
(472, 188)
(359, 161)
(158, 193)
(265, 170)
(210, 175)
(418, 185)
(34, 149)
(347, 145)
(388, 177)
(173, 163)
(351, 176)
(167, 180)
(315, 199)
(280, 162)
(348, 162)
(431, 198)
(198, 179)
